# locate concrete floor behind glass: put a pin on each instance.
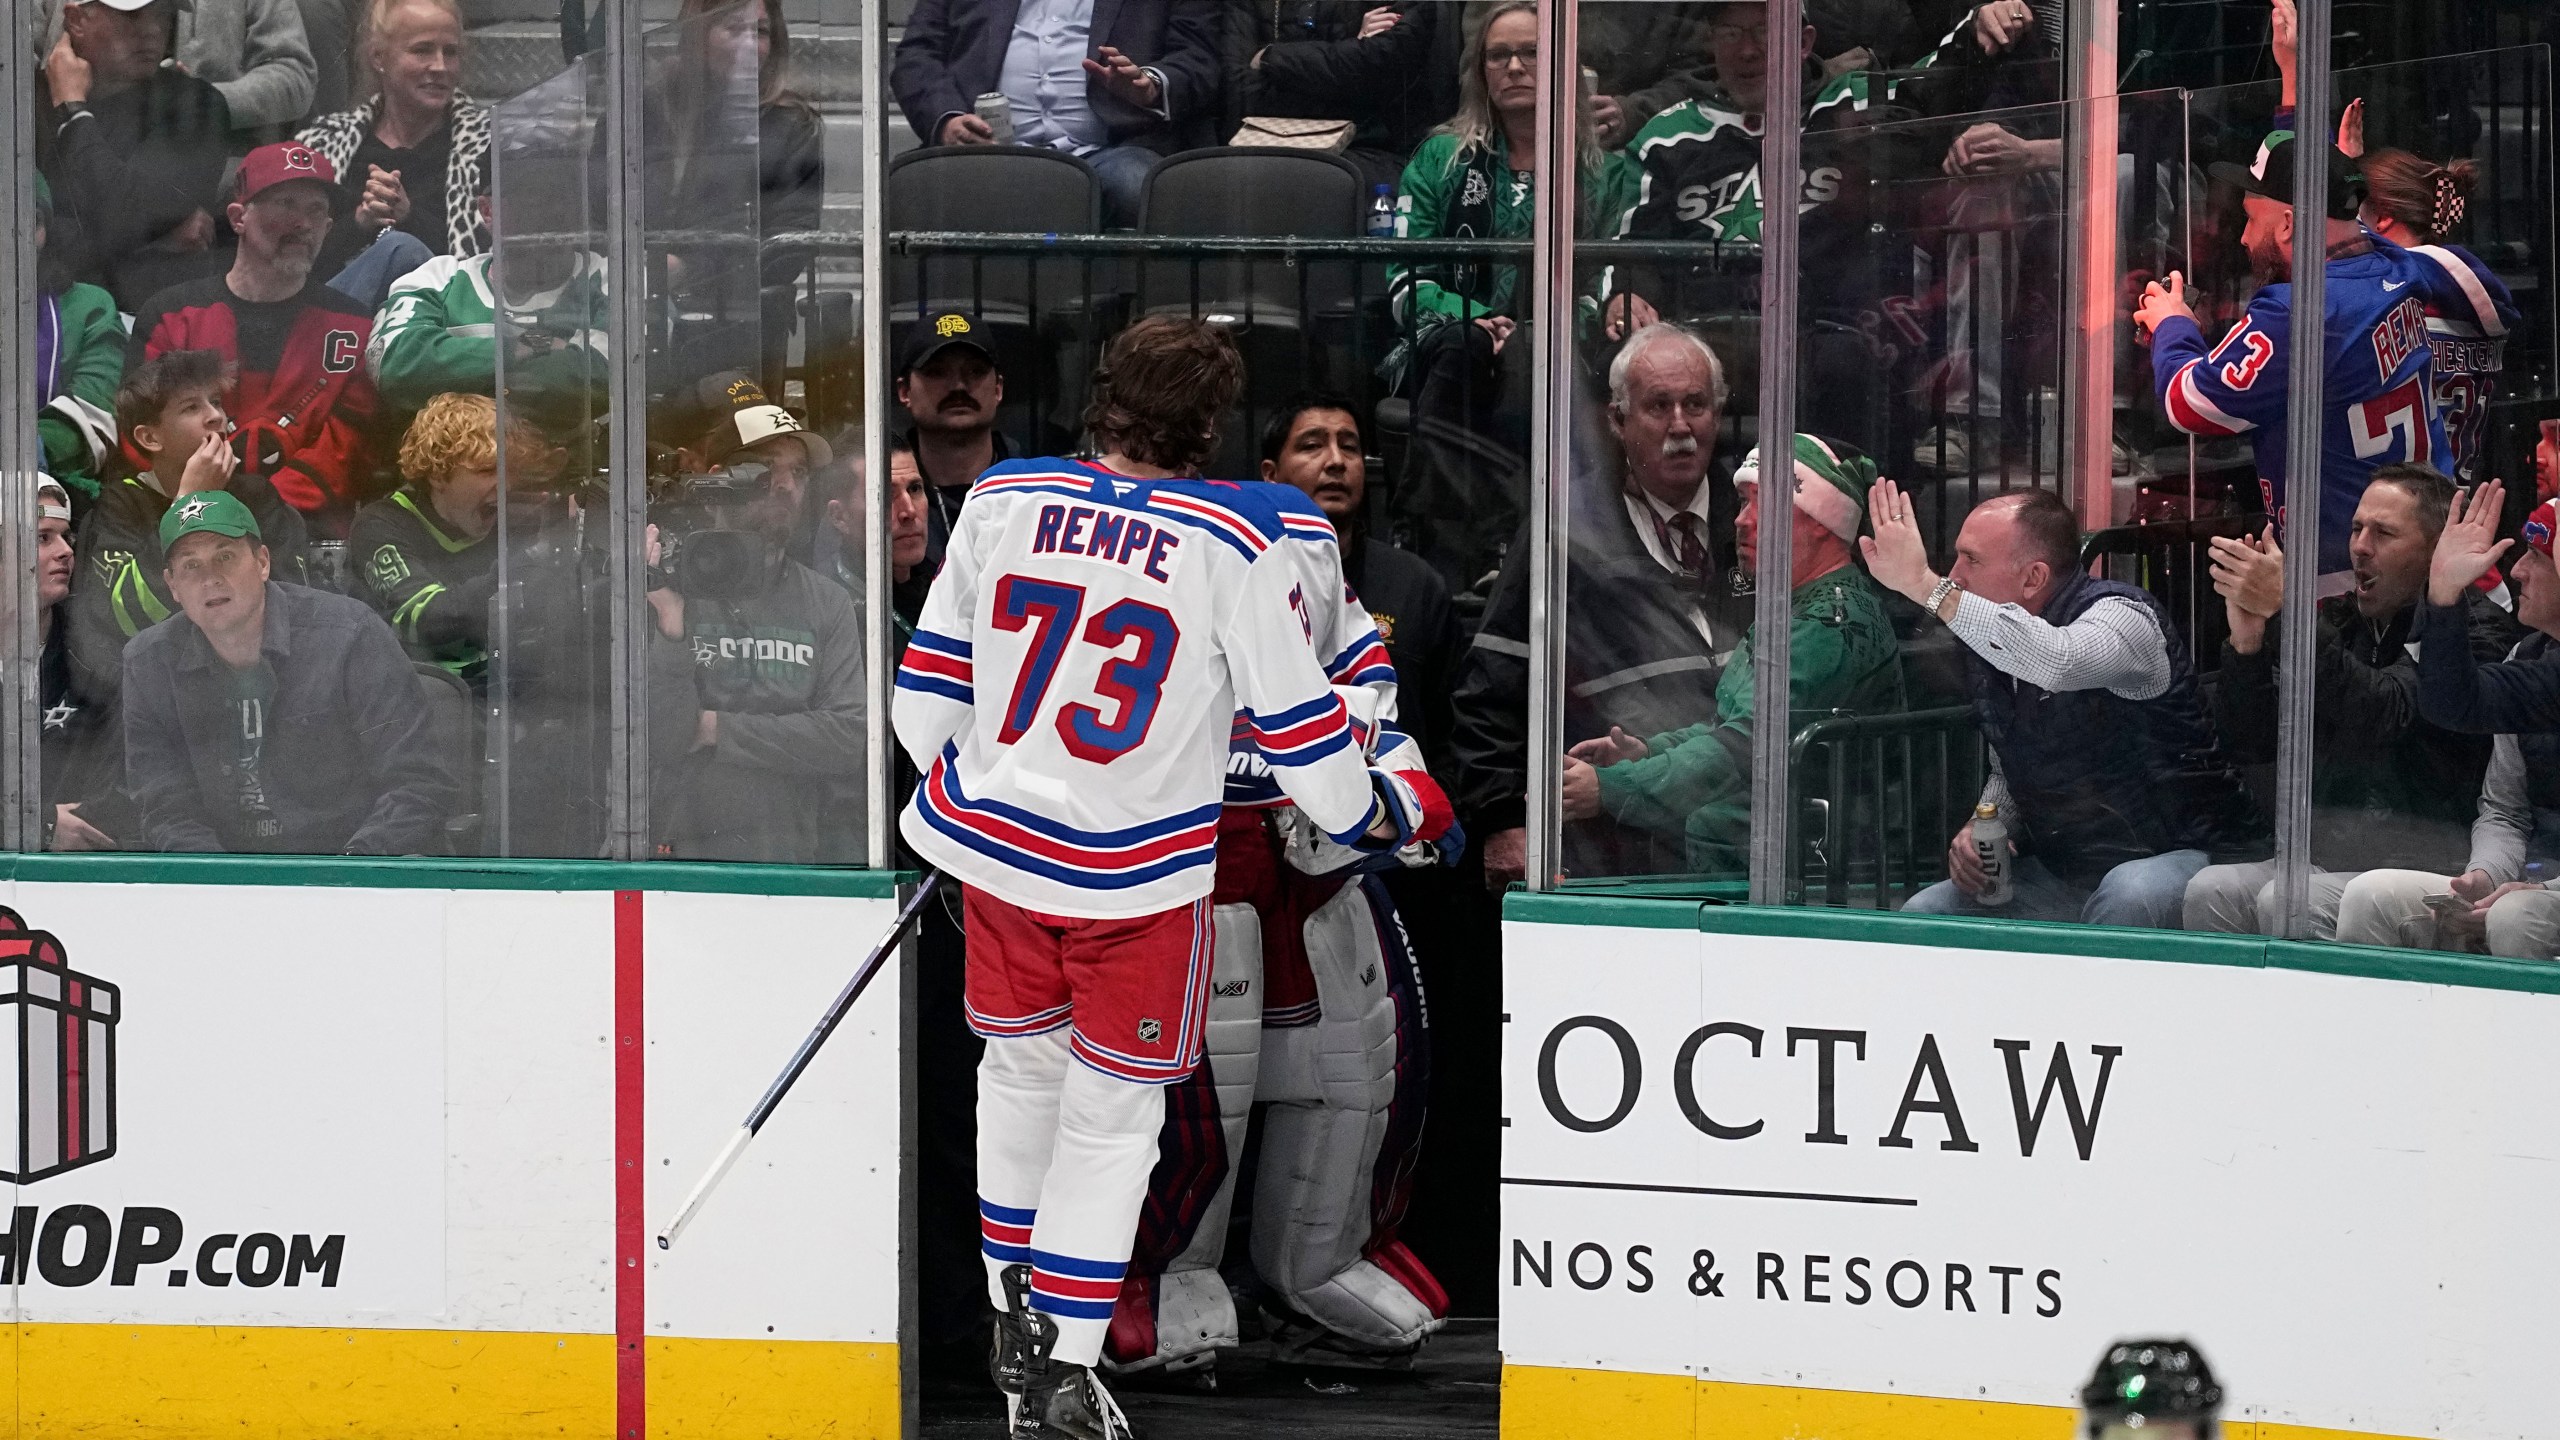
(1454, 1390)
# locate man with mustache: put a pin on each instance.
(1695, 782)
(949, 386)
(299, 393)
(1651, 611)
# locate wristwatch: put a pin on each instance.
(1938, 596)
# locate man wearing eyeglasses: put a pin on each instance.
(755, 666)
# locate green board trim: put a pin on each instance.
(376, 873)
(1628, 907)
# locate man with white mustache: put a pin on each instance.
(1652, 611)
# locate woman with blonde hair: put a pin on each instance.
(411, 157)
(1467, 352)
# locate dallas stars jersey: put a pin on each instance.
(1701, 182)
(1071, 686)
(439, 333)
(2377, 391)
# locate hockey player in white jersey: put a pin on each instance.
(1317, 1012)
(1095, 634)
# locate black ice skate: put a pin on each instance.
(1018, 1328)
(1067, 1402)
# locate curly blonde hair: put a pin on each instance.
(460, 432)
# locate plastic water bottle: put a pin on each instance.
(1991, 848)
(1382, 213)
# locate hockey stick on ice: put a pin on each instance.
(800, 1059)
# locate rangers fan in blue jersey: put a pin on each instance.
(2377, 391)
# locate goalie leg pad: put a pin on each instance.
(1174, 1308)
(1339, 1134)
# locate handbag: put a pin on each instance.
(1290, 133)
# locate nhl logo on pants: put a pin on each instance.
(1149, 1031)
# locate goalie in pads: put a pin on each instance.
(1093, 637)
(1316, 1011)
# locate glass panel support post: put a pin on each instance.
(2090, 123)
(1773, 606)
(878, 640)
(21, 452)
(1551, 424)
(2302, 498)
(627, 383)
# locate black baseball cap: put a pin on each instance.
(936, 333)
(2271, 174)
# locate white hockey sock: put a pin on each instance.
(1088, 1211)
(1018, 1087)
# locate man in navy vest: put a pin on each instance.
(2105, 769)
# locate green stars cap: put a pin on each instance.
(1832, 477)
(209, 512)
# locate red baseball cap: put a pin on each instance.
(268, 166)
(2540, 525)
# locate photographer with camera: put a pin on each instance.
(169, 412)
(297, 389)
(755, 673)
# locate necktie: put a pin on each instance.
(1690, 548)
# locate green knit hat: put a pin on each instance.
(1832, 480)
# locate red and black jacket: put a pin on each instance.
(300, 397)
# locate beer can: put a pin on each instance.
(997, 112)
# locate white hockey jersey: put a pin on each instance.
(1071, 686)
(1346, 641)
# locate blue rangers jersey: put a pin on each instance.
(2468, 363)
(2379, 389)
(1073, 679)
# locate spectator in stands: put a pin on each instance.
(82, 749)
(755, 674)
(272, 718)
(720, 171)
(253, 52)
(2546, 461)
(949, 386)
(1140, 83)
(1694, 782)
(1313, 442)
(2503, 896)
(1466, 359)
(298, 393)
(330, 27)
(1651, 609)
(2389, 789)
(134, 149)
(1644, 59)
(412, 157)
(2105, 767)
(79, 360)
(424, 551)
(1375, 65)
(1700, 184)
(170, 411)
(2374, 299)
(439, 330)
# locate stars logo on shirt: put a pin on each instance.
(58, 717)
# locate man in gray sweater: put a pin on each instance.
(253, 51)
